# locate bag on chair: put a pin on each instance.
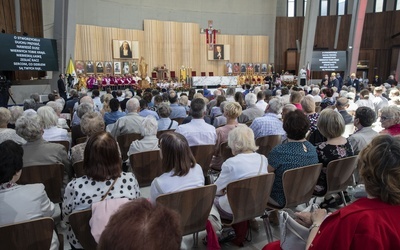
(102, 211)
(293, 235)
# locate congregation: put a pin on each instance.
(313, 124)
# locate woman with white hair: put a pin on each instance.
(51, 132)
(7, 133)
(57, 106)
(245, 163)
(149, 132)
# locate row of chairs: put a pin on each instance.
(248, 199)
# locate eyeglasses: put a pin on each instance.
(384, 118)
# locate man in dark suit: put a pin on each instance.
(353, 82)
(61, 87)
(342, 104)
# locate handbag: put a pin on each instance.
(102, 211)
(293, 235)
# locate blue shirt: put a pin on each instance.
(269, 124)
(112, 117)
(177, 111)
(289, 156)
(146, 112)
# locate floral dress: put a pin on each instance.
(326, 153)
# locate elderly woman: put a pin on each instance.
(390, 120)
(179, 166)
(20, 202)
(331, 126)
(165, 123)
(37, 150)
(232, 111)
(216, 110)
(57, 106)
(102, 165)
(7, 133)
(364, 223)
(51, 132)
(364, 100)
(76, 131)
(91, 123)
(220, 120)
(245, 163)
(16, 112)
(308, 105)
(297, 152)
(148, 130)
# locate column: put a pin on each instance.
(307, 41)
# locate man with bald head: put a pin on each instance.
(342, 104)
(131, 122)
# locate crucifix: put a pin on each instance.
(211, 35)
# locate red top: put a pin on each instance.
(365, 224)
(392, 130)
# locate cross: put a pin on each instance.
(211, 35)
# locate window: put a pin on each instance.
(324, 7)
(341, 9)
(291, 8)
(379, 5)
(305, 7)
(397, 5)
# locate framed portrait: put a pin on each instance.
(134, 67)
(229, 68)
(117, 68)
(125, 49)
(125, 68)
(79, 67)
(108, 67)
(89, 67)
(250, 66)
(236, 68)
(219, 52)
(243, 68)
(257, 68)
(264, 68)
(99, 67)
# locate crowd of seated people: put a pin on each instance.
(369, 112)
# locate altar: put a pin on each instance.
(214, 80)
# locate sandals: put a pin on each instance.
(330, 203)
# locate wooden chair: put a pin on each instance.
(34, 234)
(51, 176)
(203, 155)
(81, 140)
(179, 120)
(80, 225)
(210, 73)
(64, 143)
(226, 151)
(146, 166)
(339, 175)
(78, 169)
(298, 185)
(267, 143)
(193, 73)
(193, 205)
(124, 142)
(249, 123)
(159, 133)
(203, 73)
(248, 197)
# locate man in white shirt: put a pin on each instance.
(261, 104)
(197, 131)
(379, 101)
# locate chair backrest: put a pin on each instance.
(179, 120)
(248, 197)
(249, 123)
(299, 184)
(267, 143)
(159, 133)
(193, 205)
(81, 140)
(79, 221)
(193, 73)
(51, 176)
(339, 174)
(226, 152)
(172, 74)
(124, 142)
(203, 155)
(203, 73)
(64, 143)
(33, 234)
(78, 169)
(210, 73)
(146, 166)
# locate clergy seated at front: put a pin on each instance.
(177, 111)
(131, 122)
(269, 124)
(197, 131)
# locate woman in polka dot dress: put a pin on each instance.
(102, 165)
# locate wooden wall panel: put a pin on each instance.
(171, 43)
